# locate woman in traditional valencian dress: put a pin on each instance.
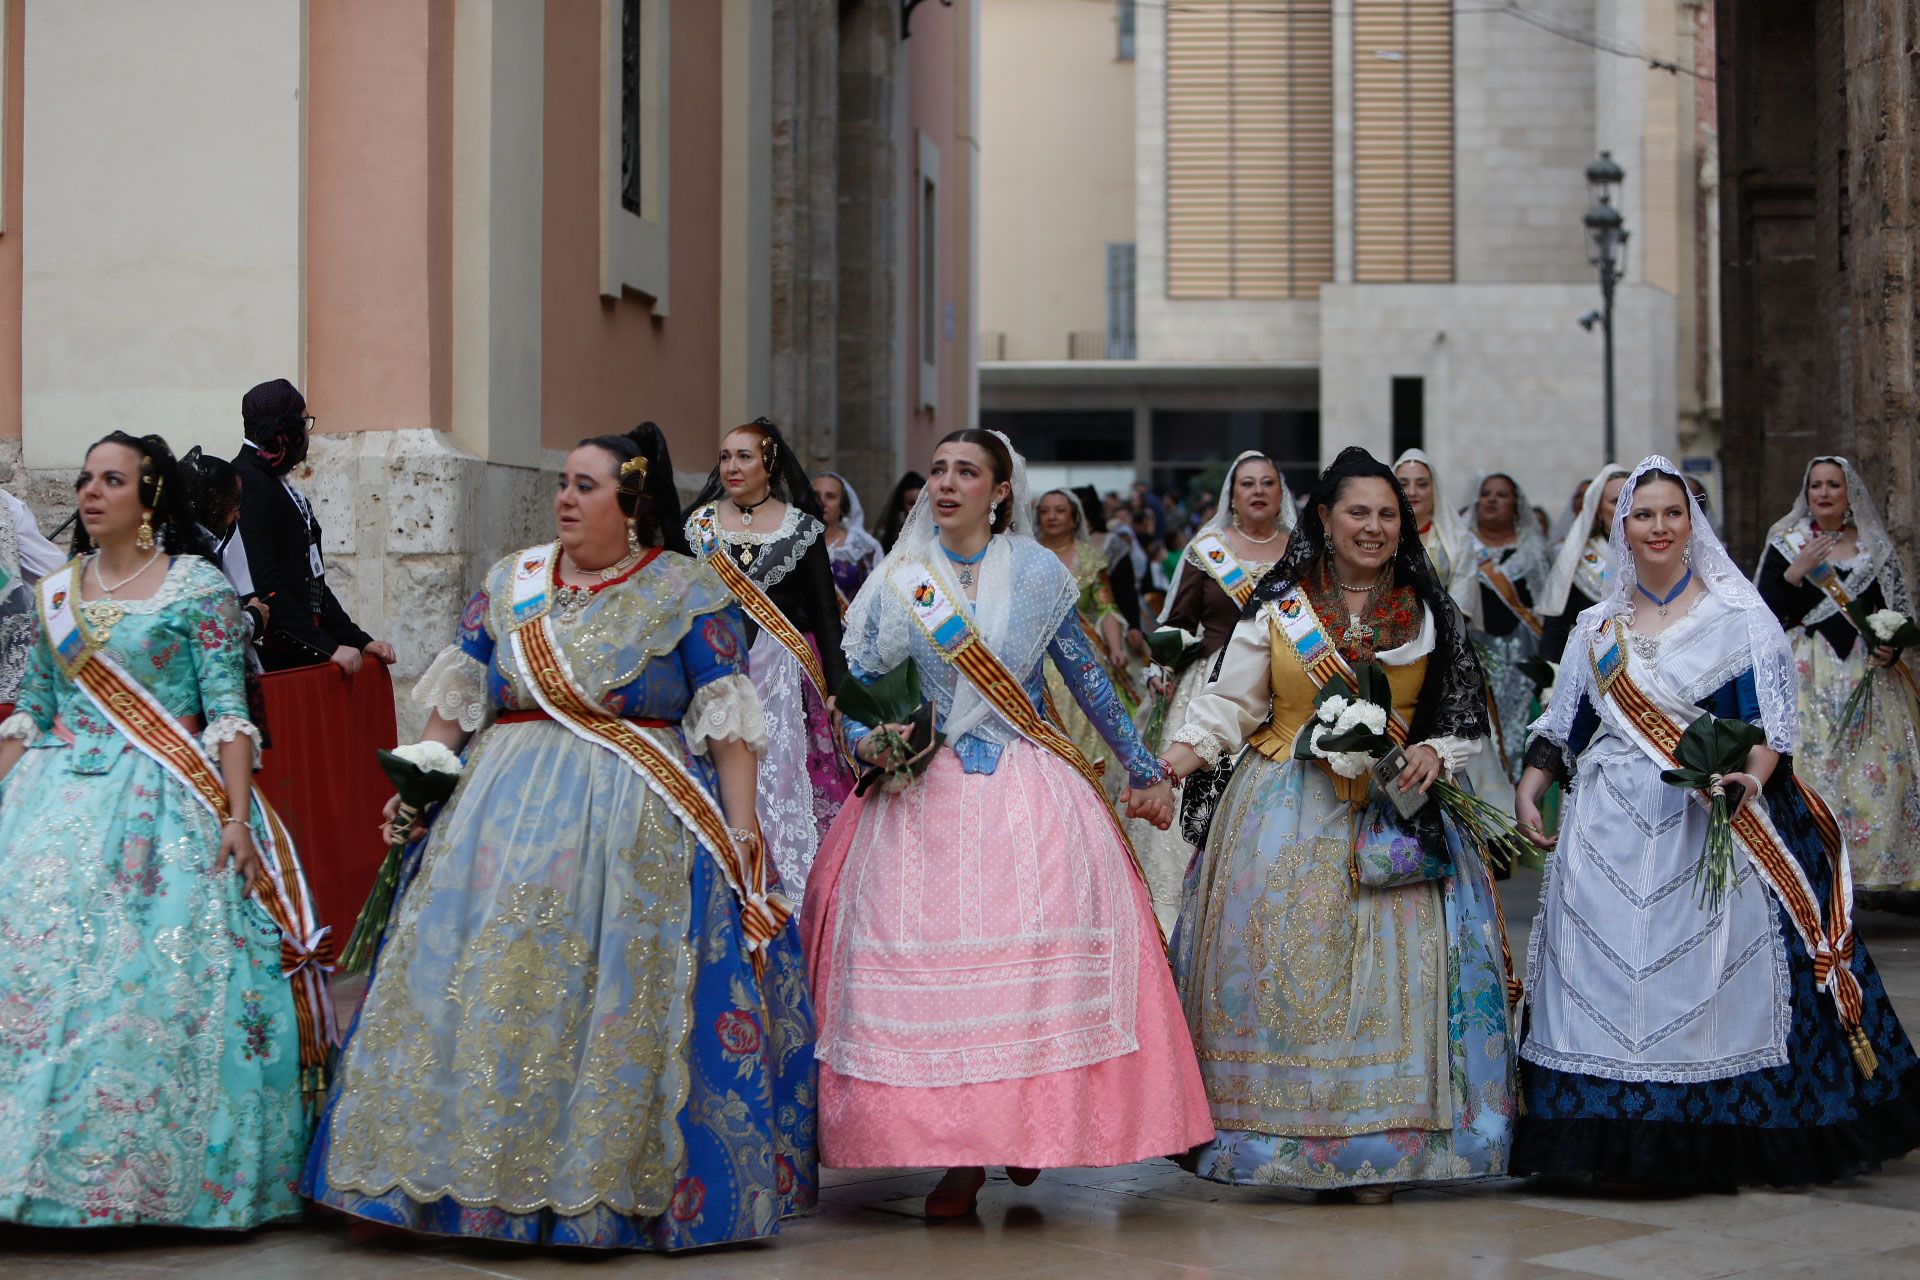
(588, 1021)
(758, 523)
(1060, 525)
(151, 1052)
(1443, 533)
(1831, 547)
(852, 551)
(1578, 580)
(990, 981)
(1211, 584)
(1676, 1037)
(1351, 1037)
(1511, 563)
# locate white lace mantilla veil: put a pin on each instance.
(1870, 530)
(1017, 624)
(1560, 582)
(854, 520)
(1223, 517)
(1448, 527)
(1775, 678)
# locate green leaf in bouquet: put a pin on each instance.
(1173, 647)
(1374, 685)
(890, 698)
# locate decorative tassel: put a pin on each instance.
(1863, 1054)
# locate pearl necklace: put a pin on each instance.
(1241, 530)
(569, 601)
(105, 613)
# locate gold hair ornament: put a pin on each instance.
(632, 465)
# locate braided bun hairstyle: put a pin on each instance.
(643, 472)
(163, 491)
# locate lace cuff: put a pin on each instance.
(1206, 744)
(1548, 753)
(224, 730)
(455, 685)
(20, 725)
(727, 708)
(1453, 752)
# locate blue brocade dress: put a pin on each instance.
(1672, 1044)
(564, 1041)
(149, 1057)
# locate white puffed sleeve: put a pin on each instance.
(1237, 698)
(455, 685)
(727, 709)
(225, 730)
(20, 725)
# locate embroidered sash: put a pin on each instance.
(306, 945)
(1294, 616)
(759, 606)
(1590, 574)
(953, 636)
(1831, 582)
(1210, 552)
(1656, 728)
(763, 912)
(1509, 595)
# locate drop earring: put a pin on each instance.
(993, 515)
(633, 536)
(144, 538)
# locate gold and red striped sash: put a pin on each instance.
(1830, 942)
(306, 946)
(758, 605)
(1510, 595)
(1828, 579)
(763, 912)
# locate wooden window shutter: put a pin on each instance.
(1249, 148)
(1402, 141)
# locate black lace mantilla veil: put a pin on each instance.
(789, 480)
(1452, 699)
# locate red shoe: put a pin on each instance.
(955, 1195)
(1021, 1177)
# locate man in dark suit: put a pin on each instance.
(282, 540)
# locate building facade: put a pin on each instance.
(474, 232)
(1352, 222)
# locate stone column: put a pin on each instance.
(805, 220)
(1882, 117)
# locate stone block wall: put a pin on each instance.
(1511, 381)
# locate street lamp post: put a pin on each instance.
(1607, 252)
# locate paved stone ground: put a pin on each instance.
(1152, 1221)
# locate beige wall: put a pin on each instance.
(379, 231)
(10, 233)
(164, 276)
(1057, 169)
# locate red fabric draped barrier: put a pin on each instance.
(322, 775)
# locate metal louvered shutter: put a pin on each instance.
(1402, 141)
(1249, 92)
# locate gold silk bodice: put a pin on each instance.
(1294, 692)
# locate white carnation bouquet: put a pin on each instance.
(1349, 732)
(424, 774)
(1882, 627)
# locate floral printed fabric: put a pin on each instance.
(149, 1059)
(610, 1071)
(1870, 775)
(1346, 1035)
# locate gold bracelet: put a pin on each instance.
(241, 821)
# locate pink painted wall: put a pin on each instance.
(10, 239)
(379, 227)
(608, 364)
(931, 70)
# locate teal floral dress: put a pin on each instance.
(149, 1056)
